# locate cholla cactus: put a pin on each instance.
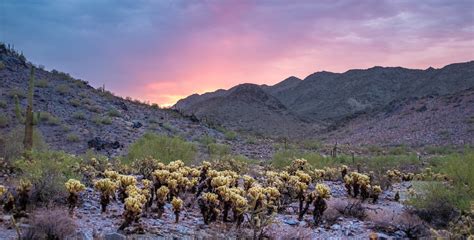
(3, 190)
(161, 196)
(113, 175)
(376, 190)
(297, 164)
(239, 204)
(74, 187)
(248, 181)
(124, 182)
(147, 192)
(23, 193)
(177, 204)
(344, 170)
(318, 174)
(303, 177)
(107, 189)
(133, 208)
(272, 199)
(208, 204)
(323, 192)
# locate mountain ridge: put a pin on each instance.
(324, 98)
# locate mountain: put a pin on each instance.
(75, 116)
(313, 106)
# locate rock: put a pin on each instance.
(290, 221)
(382, 236)
(136, 124)
(400, 234)
(336, 227)
(114, 236)
(98, 144)
(79, 236)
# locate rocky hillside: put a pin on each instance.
(324, 100)
(75, 117)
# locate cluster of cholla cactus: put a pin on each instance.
(426, 175)
(360, 184)
(74, 187)
(221, 195)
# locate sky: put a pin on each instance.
(163, 50)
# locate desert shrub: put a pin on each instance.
(102, 120)
(4, 120)
(49, 119)
(2, 65)
(169, 127)
(284, 158)
(311, 144)
(237, 163)
(42, 83)
(106, 121)
(79, 115)
(72, 137)
(206, 140)
(75, 102)
(63, 89)
(436, 201)
(439, 150)
(17, 92)
(230, 135)
(352, 208)
(50, 224)
(3, 104)
(113, 113)
(48, 171)
(164, 148)
(400, 150)
(13, 147)
(218, 150)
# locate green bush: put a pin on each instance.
(63, 89)
(75, 102)
(42, 83)
(437, 201)
(13, 147)
(102, 120)
(4, 120)
(163, 148)
(218, 150)
(72, 137)
(48, 171)
(311, 144)
(49, 119)
(439, 150)
(3, 104)
(113, 113)
(17, 92)
(230, 135)
(79, 115)
(206, 140)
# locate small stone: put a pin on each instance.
(114, 236)
(400, 233)
(290, 221)
(336, 227)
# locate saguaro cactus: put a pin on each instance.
(29, 120)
